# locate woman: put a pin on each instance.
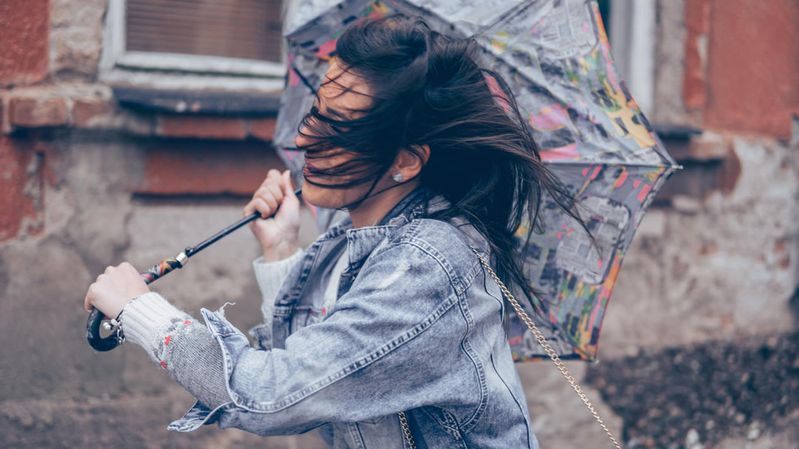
(387, 323)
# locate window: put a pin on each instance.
(194, 44)
(632, 33)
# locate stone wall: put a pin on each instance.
(699, 343)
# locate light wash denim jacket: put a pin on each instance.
(417, 327)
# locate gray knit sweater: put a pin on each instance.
(183, 346)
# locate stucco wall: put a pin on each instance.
(708, 282)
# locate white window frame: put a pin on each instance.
(633, 37)
(174, 71)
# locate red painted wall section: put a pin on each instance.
(21, 188)
(753, 66)
(202, 167)
(24, 35)
(697, 29)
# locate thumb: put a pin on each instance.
(288, 188)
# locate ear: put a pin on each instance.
(410, 161)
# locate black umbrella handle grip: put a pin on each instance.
(96, 341)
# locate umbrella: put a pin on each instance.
(556, 58)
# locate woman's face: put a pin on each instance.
(340, 93)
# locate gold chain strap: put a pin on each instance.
(406, 430)
(542, 340)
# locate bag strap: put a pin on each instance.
(542, 340)
(406, 430)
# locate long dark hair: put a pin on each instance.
(427, 88)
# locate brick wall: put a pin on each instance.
(48, 86)
(88, 179)
(741, 65)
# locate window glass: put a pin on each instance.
(248, 29)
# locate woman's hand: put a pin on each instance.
(114, 289)
(278, 235)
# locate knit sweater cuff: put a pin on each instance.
(270, 275)
(146, 317)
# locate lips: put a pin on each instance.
(308, 169)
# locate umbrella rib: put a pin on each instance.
(611, 164)
(519, 7)
(303, 79)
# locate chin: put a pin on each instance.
(331, 198)
(322, 197)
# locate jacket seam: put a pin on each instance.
(478, 367)
(357, 436)
(303, 277)
(285, 308)
(500, 300)
(515, 399)
(461, 285)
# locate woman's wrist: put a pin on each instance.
(145, 316)
(280, 251)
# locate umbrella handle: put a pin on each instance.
(95, 320)
(96, 341)
(103, 344)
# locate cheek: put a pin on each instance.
(323, 197)
(339, 168)
(328, 161)
(331, 198)
(315, 196)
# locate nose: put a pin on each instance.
(301, 140)
(305, 136)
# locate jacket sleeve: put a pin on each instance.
(176, 342)
(389, 344)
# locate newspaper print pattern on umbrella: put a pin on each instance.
(556, 58)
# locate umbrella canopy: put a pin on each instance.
(556, 58)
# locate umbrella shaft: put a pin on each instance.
(192, 250)
(155, 272)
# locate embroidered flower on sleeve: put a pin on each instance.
(176, 327)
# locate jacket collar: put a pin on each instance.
(362, 241)
(419, 202)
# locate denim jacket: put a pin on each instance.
(417, 327)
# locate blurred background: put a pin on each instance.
(134, 128)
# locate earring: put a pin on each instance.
(397, 177)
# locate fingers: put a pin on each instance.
(94, 289)
(260, 206)
(272, 191)
(269, 195)
(124, 267)
(130, 269)
(87, 301)
(114, 288)
(272, 175)
(288, 185)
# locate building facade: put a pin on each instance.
(117, 146)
